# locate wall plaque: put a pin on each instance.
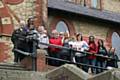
(6, 20)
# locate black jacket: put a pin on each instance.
(112, 62)
(102, 51)
(19, 39)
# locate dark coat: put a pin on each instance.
(101, 51)
(19, 39)
(112, 62)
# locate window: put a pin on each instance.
(78, 2)
(115, 42)
(116, 0)
(96, 4)
(73, 1)
(62, 27)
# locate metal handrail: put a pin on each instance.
(70, 49)
(67, 61)
(85, 52)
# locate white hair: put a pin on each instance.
(41, 28)
(22, 22)
(54, 31)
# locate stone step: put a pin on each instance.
(10, 66)
(20, 75)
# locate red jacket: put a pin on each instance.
(92, 49)
(55, 41)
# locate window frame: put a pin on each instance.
(99, 5)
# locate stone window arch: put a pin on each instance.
(58, 20)
(62, 27)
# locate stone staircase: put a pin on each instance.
(17, 72)
(9, 66)
(65, 72)
(20, 75)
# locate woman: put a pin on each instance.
(65, 53)
(91, 59)
(112, 62)
(101, 62)
(82, 46)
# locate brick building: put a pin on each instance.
(91, 17)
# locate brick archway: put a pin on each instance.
(109, 36)
(68, 23)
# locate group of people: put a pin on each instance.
(27, 37)
(22, 41)
(81, 48)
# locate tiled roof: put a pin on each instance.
(78, 9)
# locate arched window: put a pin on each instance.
(115, 39)
(62, 27)
(116, 42)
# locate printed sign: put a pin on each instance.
(6, 20)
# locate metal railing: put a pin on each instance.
(34, 56)
(73, 50)
(76, 63)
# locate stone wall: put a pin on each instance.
(112, 5)
(20, 75)
(23, 10)
(87, 27)
(6, 54)
(18, 12)
(65, 72)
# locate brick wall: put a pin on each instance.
(87, 27)
(54, 20)
(41, 61)
(96, 28)
(21, 11)
(6, 54)
(16, 11)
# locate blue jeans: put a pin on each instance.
(93, 63)
(81, 60)
(100, 64)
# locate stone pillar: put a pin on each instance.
(88, 3)
(0, 27)
(4, 51)
(45, 13)
(41, 12)
(101, 4)
(38, 12)
(41, 61)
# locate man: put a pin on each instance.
(42, 37)
(17, 40)
(21, 40)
